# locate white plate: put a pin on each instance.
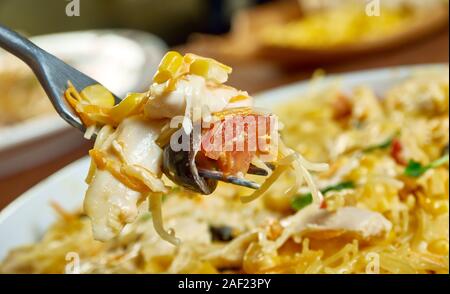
(27, 218)
(122, 60)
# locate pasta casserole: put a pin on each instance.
(376, 201)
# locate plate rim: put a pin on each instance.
(33, 191)
(352, 75)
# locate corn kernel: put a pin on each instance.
(439, 246)
(98, 95)
(127, 107)
(440, 206)
(203, 268)
(433, 206)
(209, 71)
(208, 68)
(238, 98)
(175, 65)
(170, 67)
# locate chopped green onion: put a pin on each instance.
(304, 200)
(440, 161)
(383, 145)
(416, 169)
(339, 187)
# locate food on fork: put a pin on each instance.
(189, 130)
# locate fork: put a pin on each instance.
(54, 75)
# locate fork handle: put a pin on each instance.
(20, 47)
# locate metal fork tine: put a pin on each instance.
(257, 171)
(254, 170)
(217, 175)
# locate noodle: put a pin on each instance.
(155, 208)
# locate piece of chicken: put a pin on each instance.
(108, 202)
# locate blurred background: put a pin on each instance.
(268, 43)
(172, 20)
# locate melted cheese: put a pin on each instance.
(214, 97)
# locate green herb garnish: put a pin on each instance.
(338, 187)
(383, 145)
(416, 169)
(301, 201)
(304, 200)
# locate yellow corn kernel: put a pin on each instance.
(170, 67)
(203, 268)
(238, 98)
(440, 207)
(93, 118)
(210, 70)
(98, 95)
(127, 107)
(433, 206)
(191, 58)
(439, 246)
